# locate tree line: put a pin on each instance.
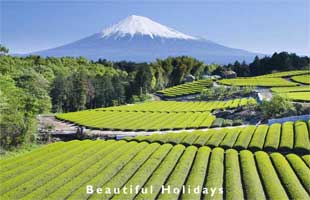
(282, 61)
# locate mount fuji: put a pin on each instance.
(140, 39)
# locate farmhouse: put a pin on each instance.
(229, 74)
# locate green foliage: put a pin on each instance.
(215, 174)
(273, 187)
(276, 107)
(178, 177)
(252, 185)
(62, 170)
(287, 137)
(146, 170)
(301, 169)
(258, 138)
(273, 137)
(291, 89)
(124, 175)
(288, 178)
(3, 50)
(198, 173)
(245, 137)
(282, 61)
(186, 89)
(161, 174)
(257, 81)
(302, 142)
(276, 137)
(233, 184)
(221, 92)
(157, 115)
(217, 122)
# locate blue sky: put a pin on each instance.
(263, 26)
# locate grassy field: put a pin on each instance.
(186, 89)
(64, 170)
(162, 115)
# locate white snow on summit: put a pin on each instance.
(142, 25)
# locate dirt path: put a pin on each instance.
(56, 126)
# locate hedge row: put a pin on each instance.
(286, 137)
(119, 164)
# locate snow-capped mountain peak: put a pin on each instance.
(134, 24)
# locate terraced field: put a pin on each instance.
(149, 121)
(152, 116)
(299, 93)
(291, 89)
(186, 89)
(290, 136)
(258, 81)
(65, 170)
(177, 106)
(285, 74)
(297, 96)
(305, 79)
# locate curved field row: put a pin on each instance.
(291, 89)
(277, 137)
(186, 89)
(139, 117)
(174, 106)
(257, 81)
(305, 79)
(296, 96)
(155, 171)
(148, 121)
(285, 74)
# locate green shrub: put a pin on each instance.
(273, 137)
(228, 122)
(288, 178)
(215, 174)
(198, 173)
(252, 185)
(244, 138)
(287, 136)
(145, 171)
(230, 138)
(302, 142)
(217, 122)
(162, 173)
(233, 185)
(178, 177)
(258, 138)
(301, 170)
(237, 122)
(65, 190)
(270, 180)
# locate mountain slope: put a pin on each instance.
(138, 38)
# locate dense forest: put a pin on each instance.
(32, 85)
